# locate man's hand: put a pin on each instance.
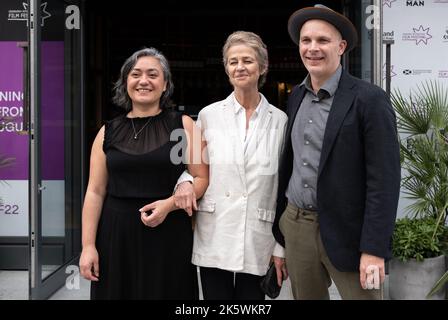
(185, 197)
(280, 267)
(368, 260)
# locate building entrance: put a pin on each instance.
(56, 88)
(191, 36)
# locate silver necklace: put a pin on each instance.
(136, 133)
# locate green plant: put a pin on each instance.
(423, 124)
(439, 285)
(414, 239)
(422, 120)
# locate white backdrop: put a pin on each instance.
(420, 32)
(420, 51)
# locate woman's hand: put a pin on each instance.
(89, 263)
(185, 197)
(155, 213)
(280, 267)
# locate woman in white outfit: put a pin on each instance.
(233, 241)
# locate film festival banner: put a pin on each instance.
(419, 30)
(420, 33)
(14, 142)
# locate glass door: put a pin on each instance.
(56, 143)
(366, 60)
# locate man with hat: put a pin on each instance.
(339, 177)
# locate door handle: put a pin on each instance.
(26, 88)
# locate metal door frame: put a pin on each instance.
(40, 288)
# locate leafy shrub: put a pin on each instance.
(419, 239)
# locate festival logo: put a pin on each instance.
(416, 72)
(443, 74)
(419, 35)
(22, 14)
(445, 35)
(388, 3)
(392, 72)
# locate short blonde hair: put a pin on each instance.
(253, 41)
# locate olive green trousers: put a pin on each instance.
(309, 267)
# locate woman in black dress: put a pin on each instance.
(136, 243)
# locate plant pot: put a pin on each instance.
(412, 280)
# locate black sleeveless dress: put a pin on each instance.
(136, 261)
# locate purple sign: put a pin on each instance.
(13, 142)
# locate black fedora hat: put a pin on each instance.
(321, 12)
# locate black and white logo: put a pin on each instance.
(22, 14)
(443, 74)
(410, 3)
(445, 35)
(389, 35)
(416, 72)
